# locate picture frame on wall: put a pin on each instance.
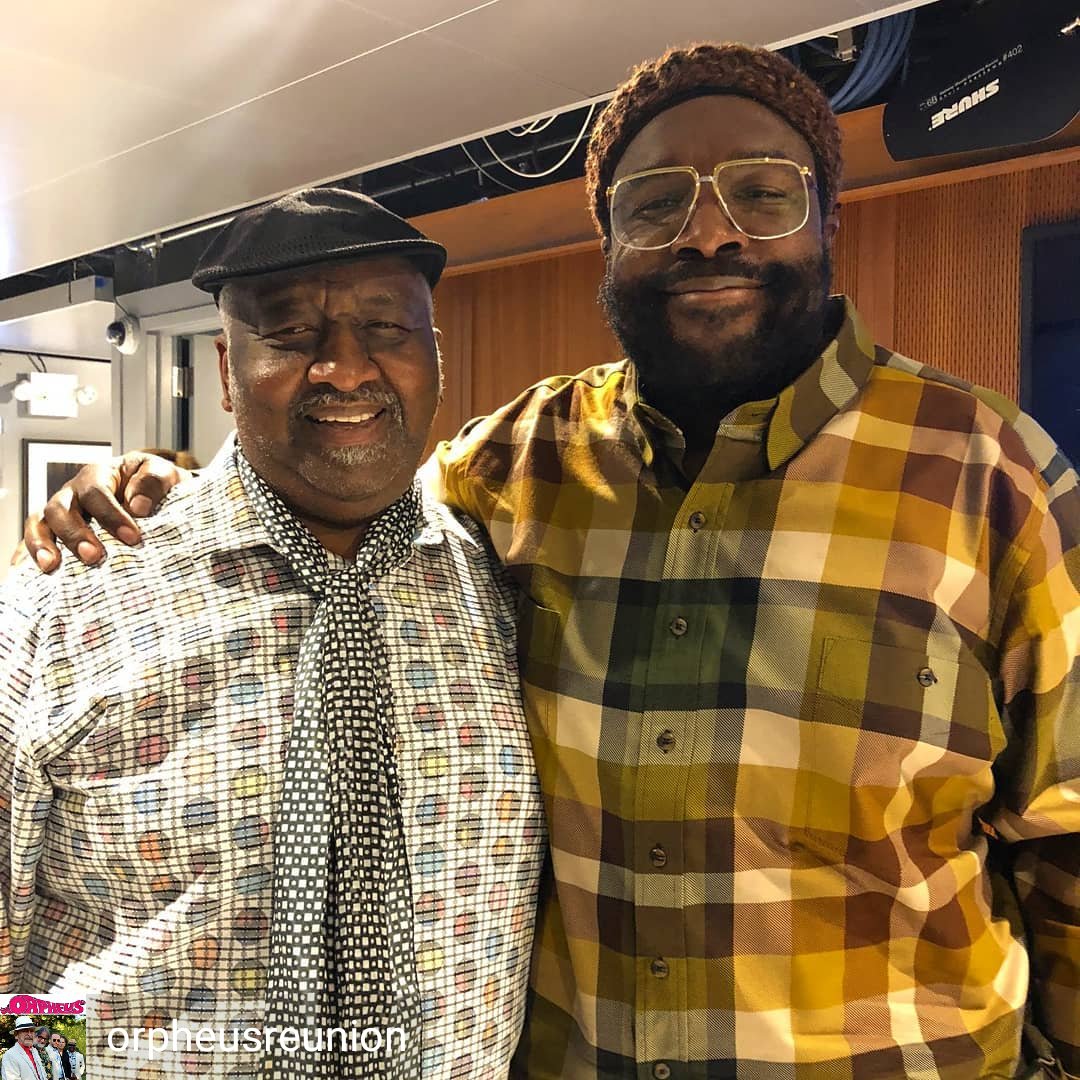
(47, 464)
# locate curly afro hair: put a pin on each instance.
(730, 68)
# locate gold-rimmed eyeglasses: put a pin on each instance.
(764, 198)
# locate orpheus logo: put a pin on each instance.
(968, 101)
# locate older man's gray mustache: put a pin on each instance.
(379, 398)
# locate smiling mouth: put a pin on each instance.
(348, 418)
(697, 286)
(352, 426)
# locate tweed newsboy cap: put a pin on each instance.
(314, 225)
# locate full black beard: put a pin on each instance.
(696, 387)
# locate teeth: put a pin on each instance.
(344, 419)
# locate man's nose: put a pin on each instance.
(709, 229)
(343, 360)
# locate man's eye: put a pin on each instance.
(659, 206)
(386, 333)
(761, 194)
(289, 337)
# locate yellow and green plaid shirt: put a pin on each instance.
(797, 724)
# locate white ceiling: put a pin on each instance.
(123, 119)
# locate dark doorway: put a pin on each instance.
(1050, 329)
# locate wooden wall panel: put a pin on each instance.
(958, 269)
(525, 322)
(454, 305)
(1052, 195)
(537, 320)
(845, 254)
(935, 272)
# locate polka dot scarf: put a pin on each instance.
(341, 940)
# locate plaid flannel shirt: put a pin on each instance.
(808, 727)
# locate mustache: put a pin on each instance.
(379, 396)
(663, 280)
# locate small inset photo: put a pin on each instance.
(39, 1044)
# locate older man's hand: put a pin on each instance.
(113, 494)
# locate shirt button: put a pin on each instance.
(926, 677)
(658, 856)
(661, 1070)
(697, 520)
(665, 740)
(678, 626)
(659, 968)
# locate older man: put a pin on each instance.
(801, 641)
(46, 1052)
(21, 1061)
(169, 712)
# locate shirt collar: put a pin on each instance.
(438, 523)
(647, 422)
(224, 508)
(787, 422)
(830, 384)
(233, 525)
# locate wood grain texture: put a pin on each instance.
(958, 269)
(505, 329)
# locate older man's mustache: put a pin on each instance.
(381, 398)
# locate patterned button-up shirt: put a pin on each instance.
(796, 723)
(145, 705)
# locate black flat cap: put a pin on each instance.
(314, 225)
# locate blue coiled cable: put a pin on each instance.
(884, 49)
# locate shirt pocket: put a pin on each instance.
(167, 783)
(897, 756)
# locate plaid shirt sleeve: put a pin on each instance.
(1038, 809)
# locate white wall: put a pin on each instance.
(142, 391)
(94, 424)
(142, 394)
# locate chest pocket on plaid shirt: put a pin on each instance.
(900, 743)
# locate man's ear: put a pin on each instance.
(831, 225)
(605, 246)
(439, 361)
(222, 347)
